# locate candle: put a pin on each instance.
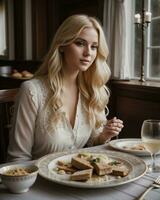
(147, 16)
(137, 18)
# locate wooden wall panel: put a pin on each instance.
(19, 29)
(133, 103)
(39, 27)
(71, 7)
(133, 112)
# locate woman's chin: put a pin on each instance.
(84, 68)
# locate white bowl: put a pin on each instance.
(19, 183)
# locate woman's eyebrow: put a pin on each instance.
(83, 40)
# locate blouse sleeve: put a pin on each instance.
(23, 123)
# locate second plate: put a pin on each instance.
(129, 145)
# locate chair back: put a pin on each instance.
(7, 98)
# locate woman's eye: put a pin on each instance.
(94, 47)
(83, 44)
(79, 43)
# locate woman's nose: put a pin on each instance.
(87, 51)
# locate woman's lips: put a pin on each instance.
(85, 61)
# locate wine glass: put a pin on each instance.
(150, 134)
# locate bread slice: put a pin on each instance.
(120, 171)
(66, 169)
(102, 169)
(82, 175)
(81, 163)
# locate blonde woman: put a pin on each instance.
(63, 106)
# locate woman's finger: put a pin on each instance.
(114, 121)
(115, 124)
(113, 128)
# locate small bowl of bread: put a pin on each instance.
(21, 75)
(10, 72)
(18, 178)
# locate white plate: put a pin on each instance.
(136, 166)
(127, 144)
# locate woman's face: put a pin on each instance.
(79, 55)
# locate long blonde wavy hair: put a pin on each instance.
(92, 83)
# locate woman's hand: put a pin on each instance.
(111, 129)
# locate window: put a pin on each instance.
(152, 42)
(6, 30)
(3, 41)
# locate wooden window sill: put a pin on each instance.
(137, 83)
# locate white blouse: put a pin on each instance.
(33, 136)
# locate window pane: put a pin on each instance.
(137, 53)
(155, 33)
(138, 6)
(155, 8)
(154, 65)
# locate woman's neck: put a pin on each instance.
(70, 79)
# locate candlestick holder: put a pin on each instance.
(142, 21)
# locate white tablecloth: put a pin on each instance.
(47, 190)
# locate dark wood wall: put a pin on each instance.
(133, 102)
(47, 15)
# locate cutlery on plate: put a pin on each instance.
(155, 184)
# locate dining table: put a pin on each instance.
(44, 189)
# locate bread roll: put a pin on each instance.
(16, 75)
(26, 74)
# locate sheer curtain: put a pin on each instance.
(117, 21)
